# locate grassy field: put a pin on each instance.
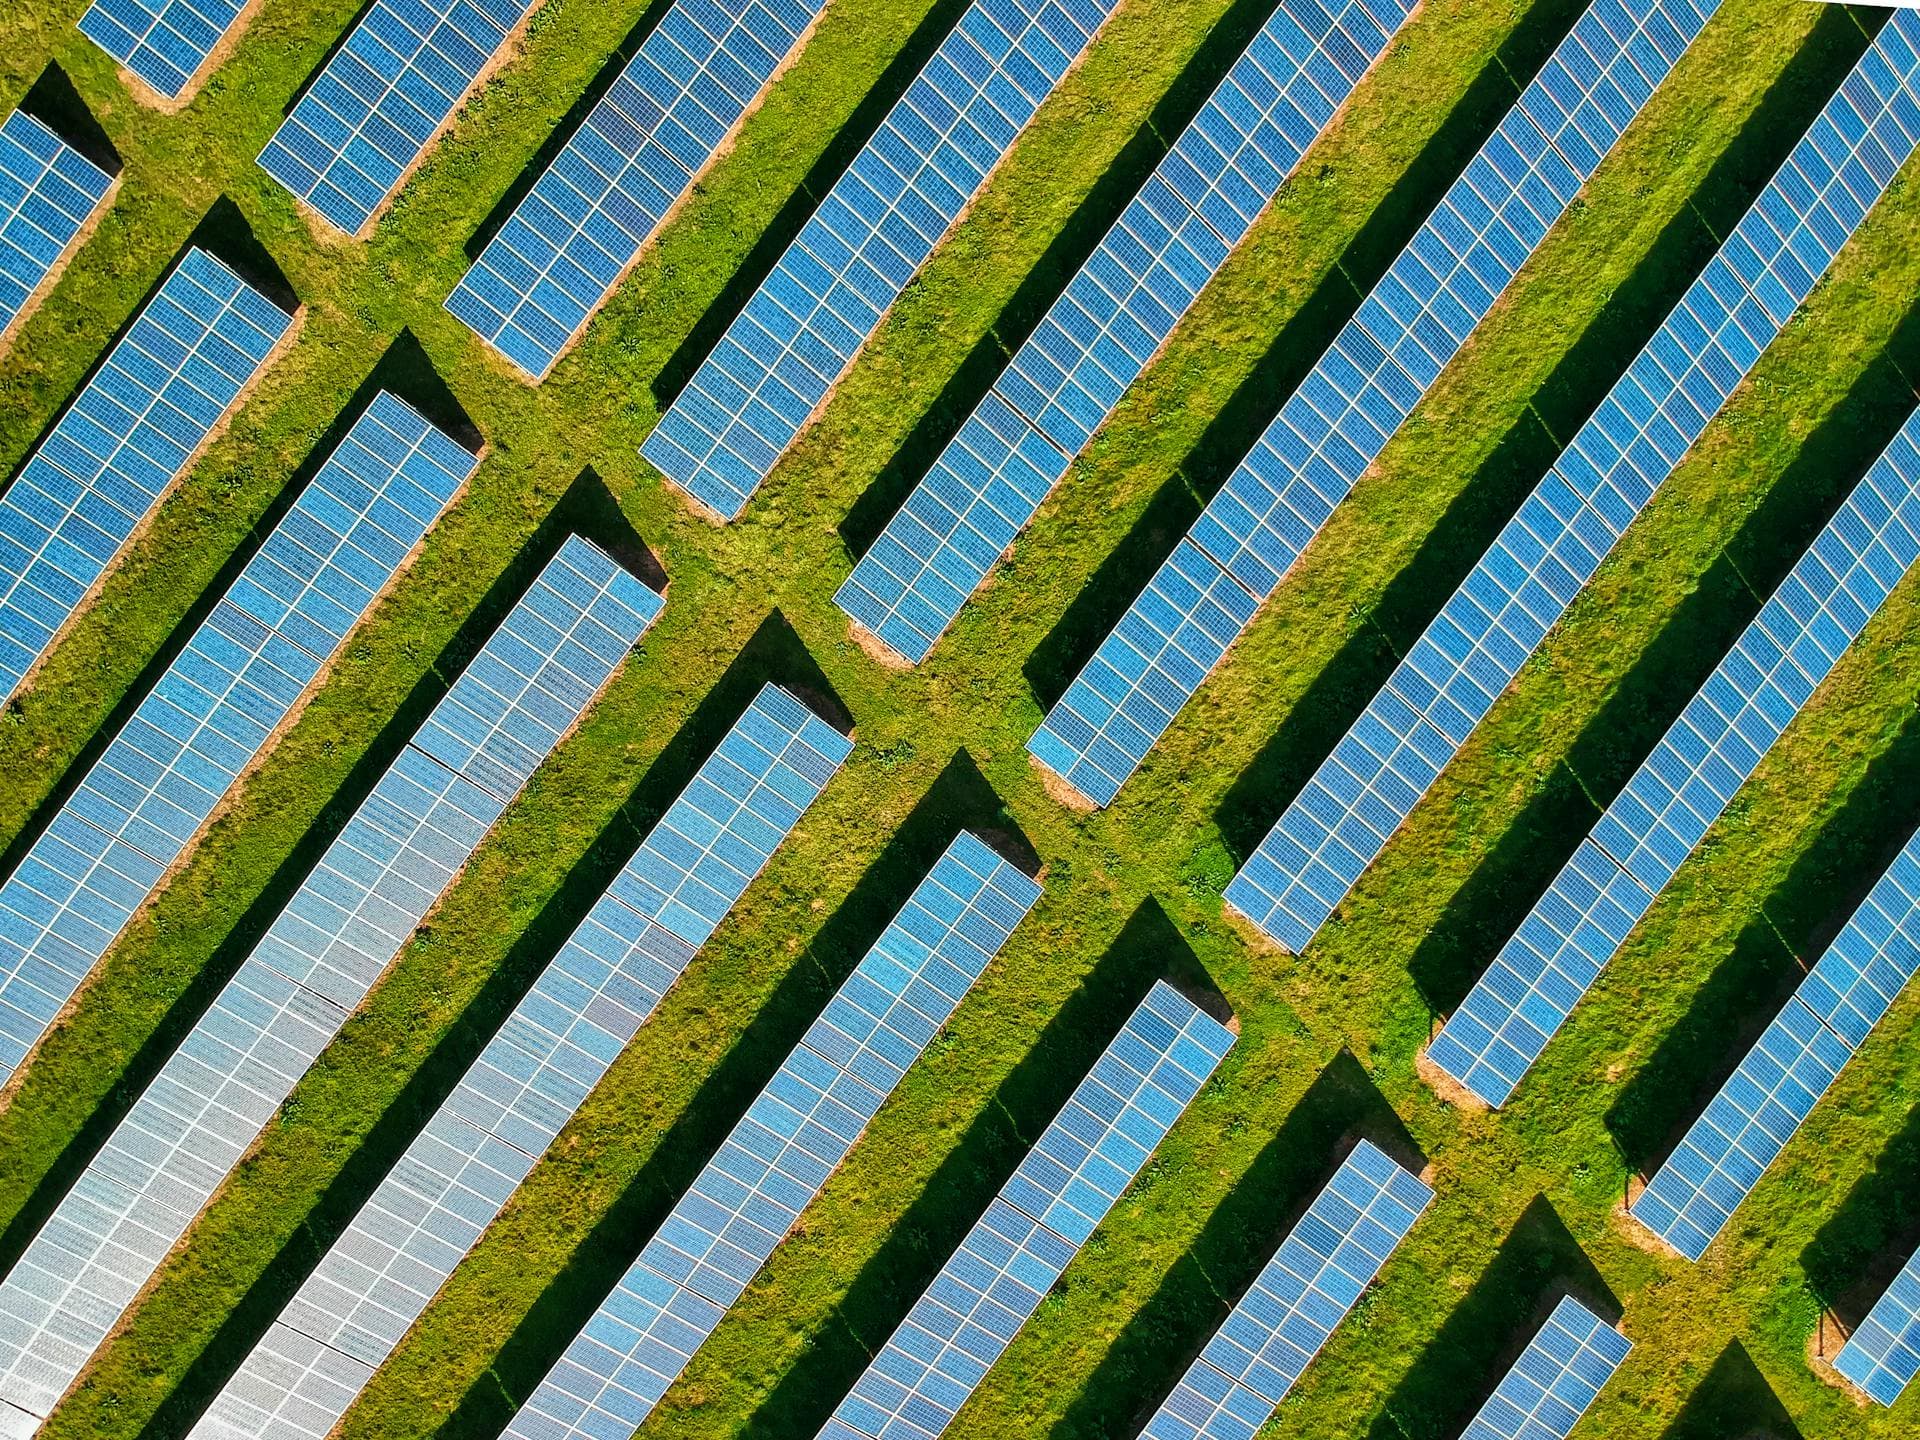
(1528, 1198)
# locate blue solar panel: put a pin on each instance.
(349, 920)
(168, 44)
(49, 194)
(877, 226)
(1061, 1191)
(129, 435)
(1320, 1271)
(1560, 1373)
(637, 155)
(780, 1154)
(382, 99)
(1434, 699)
(1883, 1355)
(1339, 420)
(1113, 317)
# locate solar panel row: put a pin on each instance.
(636, 156)
(49, 194)
(129, 435)
(1339, 420)
(881, 220)
(1560, 1373)
(1320, 1271)
(348, 921)
(1883, 1355)
(990, 1287)
(1551, 549)
(383, 97)
(778, 1157)
(166, 43)
(1113, 317)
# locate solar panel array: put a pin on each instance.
(1082, 1163)
(384, 95)
(1320, 1271)
(49, 193)
(165, 42)
(1883, 1355)
(1340, 418)
(779, 1156)
(1560, 1373)
(877, 226)
(1113, 317)
(347, 923)
(637, 155)
(130, 434)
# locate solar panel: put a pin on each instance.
(636, 156)
(778, 1157)
(1339, 420)
(383, 98)
(348, 921)
(1113, 317)
(878, 224)
(1320, 1271)
(168, 44)
(1560, 1373)
(130, 434)
(49, 194)
(1095, 1147)
(1883, 1355)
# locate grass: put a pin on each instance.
(1527, 1197)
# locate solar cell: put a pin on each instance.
(878, 224)
(780, 1154)
(1357, 395)
(1320, 1271)
(383, 98)
(348, 921)
(1449, 680)
(1113, 317)
(1883, 1355)
(673, 110)
(49, 194)
(1560, 1373)
(132, 431)
(1080, 1166)
(168, 44)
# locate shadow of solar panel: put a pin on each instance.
(878, 224)
(636, 156)
(382, 99)
(1557, 1377)
(49, 194)
(1553, 546)
(166, 43)
(1357, 395)
(1082, 1163)
(345, 925)
(1320, 1271)
(1883, 1355)
(1113, 317)
(126, 438)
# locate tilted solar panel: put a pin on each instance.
(49, 194)
(396, 856)
(1883, 1355)
(904, 190)
(1113, 317)
(1549, 551)
(1321, 1269)
(637, 155)
(102, 470)
(1557, 1377)
(779, 1156)
(168, 44)
(1339, 419)
(383, 98)
(1082, 1163)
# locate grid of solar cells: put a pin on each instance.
(877, 226)
(1321, 1269)
(165, 42)
(49, 192)
(1883, 1355)
(147, 796)
(1560, 1373)
(567, 244)
(383, 97)
(1547, 553)
(780, 1154)
(1080, 1166)
(1746, 1126)
(129, 435)
(350, 918)
(1113, 317)
(1339, 420)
